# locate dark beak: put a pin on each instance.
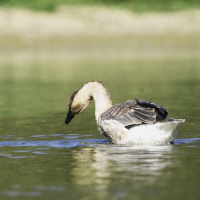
(70, 116)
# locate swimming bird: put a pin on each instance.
(130, 122)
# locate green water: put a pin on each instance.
(42, 158)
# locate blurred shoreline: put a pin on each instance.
(97, 31)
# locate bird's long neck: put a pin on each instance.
(101, 97)
(102, 102)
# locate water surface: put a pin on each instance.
(43, 158)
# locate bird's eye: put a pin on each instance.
(90, 98)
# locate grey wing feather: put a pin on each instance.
(130, 113)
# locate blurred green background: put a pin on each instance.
(46, 56)
(135, 5)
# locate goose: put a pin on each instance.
(127, 123)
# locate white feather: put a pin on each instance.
(156, 134)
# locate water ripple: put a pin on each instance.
(78, 143)
(56, 143)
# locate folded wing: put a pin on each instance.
(133, 113)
